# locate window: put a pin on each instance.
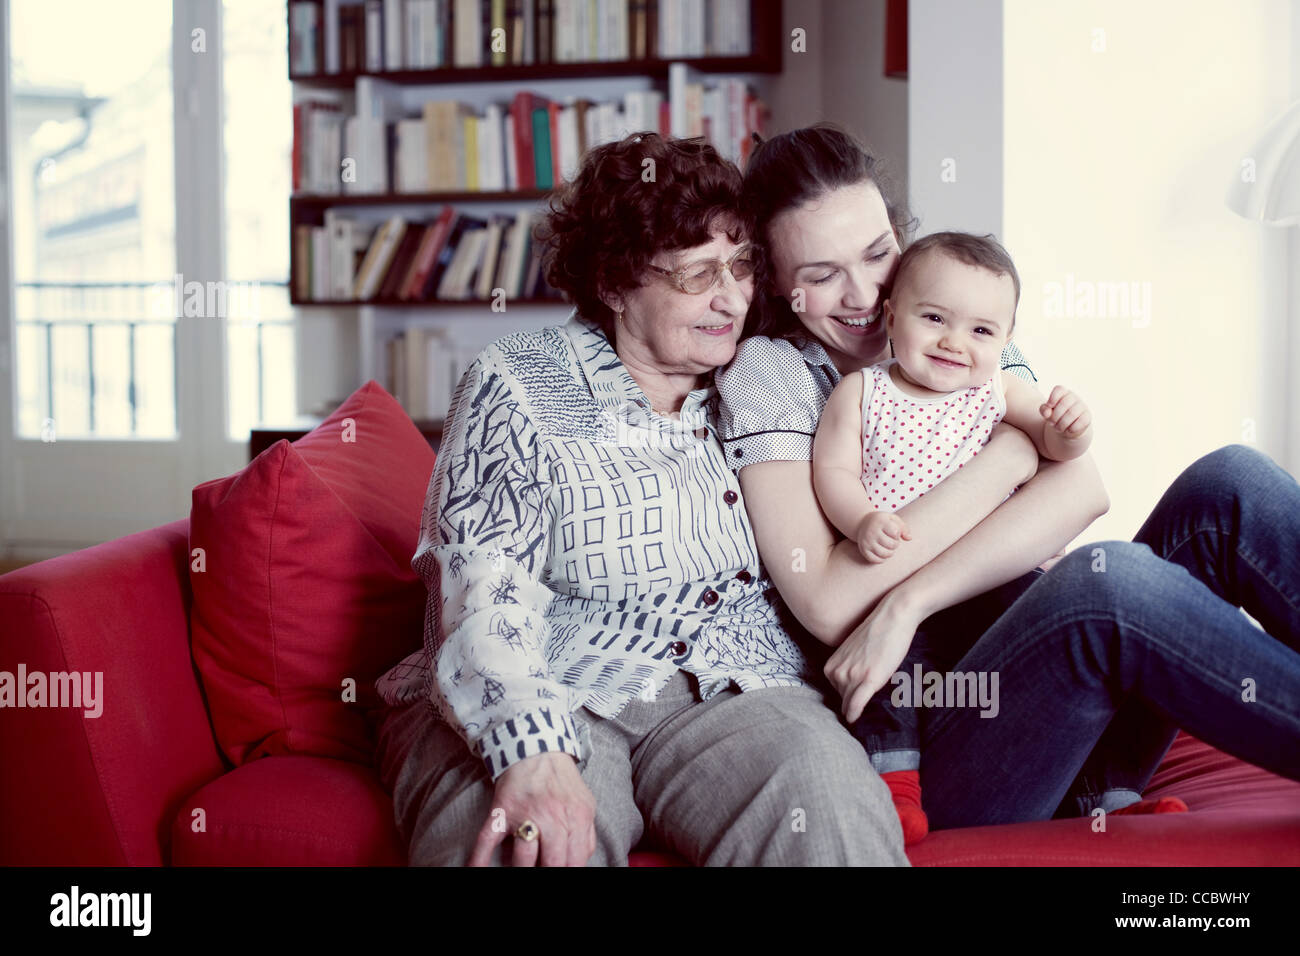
(95, 212)
(93, 219)
(258, 143)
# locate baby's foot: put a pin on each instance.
(1163, 805)
(905, 788)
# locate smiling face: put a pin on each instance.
(841, 251)
(949, 322)
(674, 332)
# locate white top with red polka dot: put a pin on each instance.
(910, 444)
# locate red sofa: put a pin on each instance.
(127, 787)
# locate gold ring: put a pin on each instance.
(528, 831)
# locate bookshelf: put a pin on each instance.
(306, 202)
(420, 101)
(645, 67)
(442, 304)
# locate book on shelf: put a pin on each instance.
(352, 38)
(374, 36)
(532, 142)
(378, 259)
(423, 366)
(348, 242)
(428, 256)
(402, 258)
(453, 257)
(317, 146)
(305, 39)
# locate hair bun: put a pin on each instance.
(758, 140)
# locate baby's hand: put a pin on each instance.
(1066, 413)
(879, 533)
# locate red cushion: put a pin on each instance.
(307, 581)
(289, 811)
(1239, 815)
(655, 858)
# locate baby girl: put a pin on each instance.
(892, 431)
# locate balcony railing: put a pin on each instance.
(98, 359)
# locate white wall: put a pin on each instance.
(1118, 149)
(855, 91)
(840, 76)
(795, 94)
(954, 63)
(1291, 392)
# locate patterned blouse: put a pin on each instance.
(579, 549)
(772, 394)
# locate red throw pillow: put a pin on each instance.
(306, 581)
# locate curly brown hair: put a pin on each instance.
(631, 200)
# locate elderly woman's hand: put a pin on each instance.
(548, 790)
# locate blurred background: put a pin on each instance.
(1136, 159)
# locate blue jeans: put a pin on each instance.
(1103, 657)
(891, 734)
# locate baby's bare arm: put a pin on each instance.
(837, 458)
(1053, 441)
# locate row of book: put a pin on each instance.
(531, 143)
(423, 367)
(454, 257)
(377, 36)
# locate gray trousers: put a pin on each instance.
(767, 777)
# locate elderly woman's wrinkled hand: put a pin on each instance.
(547, 790)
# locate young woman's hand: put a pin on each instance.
(868, 657)
(548, 790)
(879, 533)
(1047, 565)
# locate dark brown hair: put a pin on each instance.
(794, 168)
(982, 251)
(602, 228)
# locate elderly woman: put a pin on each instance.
(607, 653)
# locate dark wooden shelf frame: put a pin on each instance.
(326, 201)
(752, 63)
(420, 303)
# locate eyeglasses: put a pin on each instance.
(703, 275)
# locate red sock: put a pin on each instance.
(1163, 805)
(905, 788)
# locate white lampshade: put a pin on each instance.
(1266, 188)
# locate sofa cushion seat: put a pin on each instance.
(289, 811)
(1239, 815)
(314, 811)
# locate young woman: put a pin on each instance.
(1097, 664)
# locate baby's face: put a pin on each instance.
(949, 322)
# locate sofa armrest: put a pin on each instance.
(79, 789)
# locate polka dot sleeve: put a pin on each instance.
(1014, 361)
(770, 400)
